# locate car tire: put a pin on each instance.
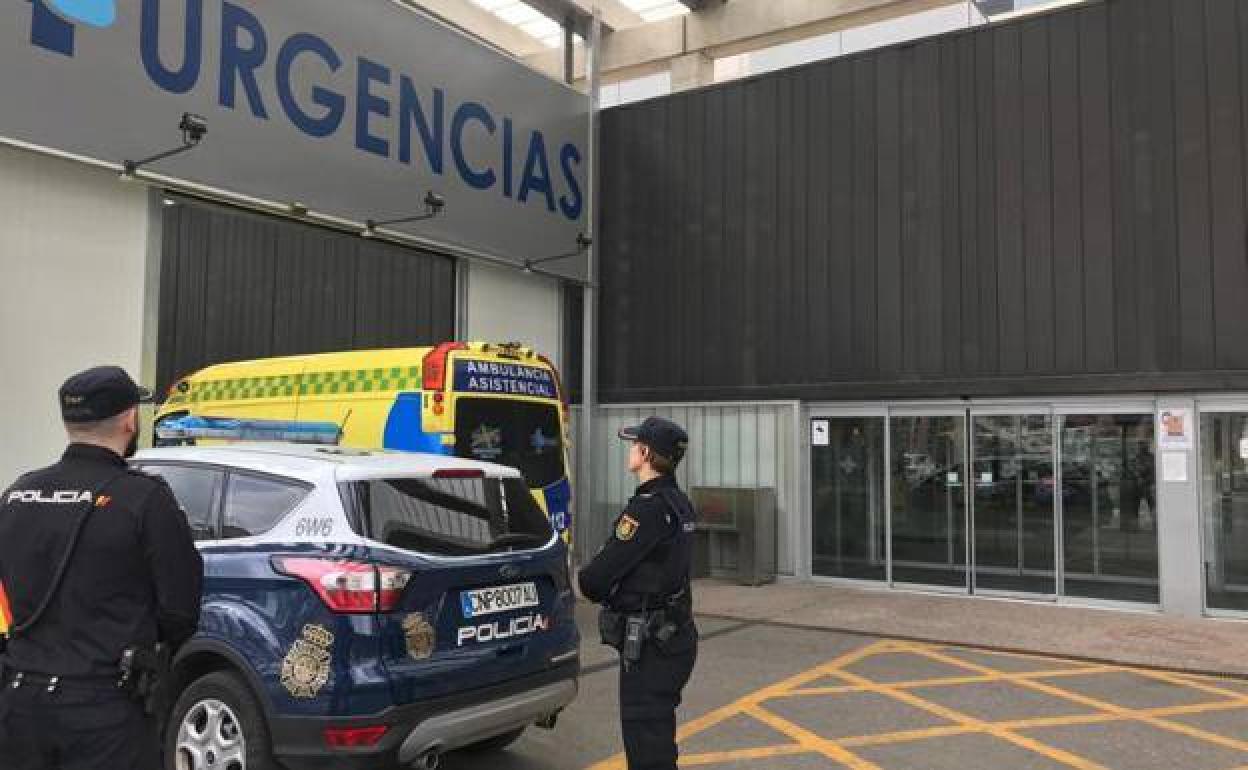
(497, 743)
(218, 713)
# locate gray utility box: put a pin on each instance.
(736, 534)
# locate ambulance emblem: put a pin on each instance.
(305, 669)
(421, 638)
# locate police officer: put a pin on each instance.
(641, 576)
(97, 558)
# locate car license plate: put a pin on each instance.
(489, 601)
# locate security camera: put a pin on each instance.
(434, 202)
(194, 127)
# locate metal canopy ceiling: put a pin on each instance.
(544, 20)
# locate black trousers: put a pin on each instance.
(650, 691)
(74, 729)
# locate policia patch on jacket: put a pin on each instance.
(305, 669)
(626, 528)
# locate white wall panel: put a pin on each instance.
(734, 445)
(73, 263)
(509, 306)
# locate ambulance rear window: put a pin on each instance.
(448, 517)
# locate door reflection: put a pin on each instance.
(928, 500)
(1109, 507)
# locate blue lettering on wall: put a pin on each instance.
(184, 78)
(431, 133)
(239, 63)
(319, 109)
(368, 104)
(509, 161)
(49, 31)
(537, 172)
(471, 111)
(334, 103)
(569, 157)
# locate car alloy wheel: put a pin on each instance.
(211, 738)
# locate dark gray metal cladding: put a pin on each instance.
(1051, 205)
(237, 285)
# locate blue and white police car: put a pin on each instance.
(365, 609)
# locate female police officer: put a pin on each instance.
(641, 577)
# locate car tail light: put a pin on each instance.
(354, 737)
(459, 473)
(348, 587)
(434, 368)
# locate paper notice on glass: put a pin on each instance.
(1243, 449)
(1174, 466)
(1174, 429)
(820, 433)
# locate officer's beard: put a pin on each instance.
(132, 447)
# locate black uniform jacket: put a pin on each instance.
(633, 570)
(134, 579)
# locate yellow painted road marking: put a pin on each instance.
(723, 713)
(951, 681)
(742, 755)
(1126, 713)
(811, 741)
(976, 725)
(840, 751)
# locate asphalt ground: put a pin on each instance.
(784, 698)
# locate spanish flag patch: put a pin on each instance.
(626, 528)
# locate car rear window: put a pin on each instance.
(448, 517)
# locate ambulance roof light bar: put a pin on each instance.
(231, 429)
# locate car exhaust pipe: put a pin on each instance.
(548, 722)
(430, 760)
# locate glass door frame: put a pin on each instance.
(1004, 408)
(928, 409)
(1056, 409)
(1065, 407)
(1212, 404)
(846, 411)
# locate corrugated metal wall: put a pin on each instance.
(235, 285)
(1054, 205)
(731, 445)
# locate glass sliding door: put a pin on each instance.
(848, 514)
(1224, 497)
(1013, 510)
(1109, 507)
(928, 492)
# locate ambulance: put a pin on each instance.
(499, 403)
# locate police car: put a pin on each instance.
(363, 608)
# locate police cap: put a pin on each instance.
(100, 393)
(663, 436)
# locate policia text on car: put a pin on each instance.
(641, 577)
(103, 580)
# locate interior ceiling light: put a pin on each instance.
(527, 19)
(656, 10)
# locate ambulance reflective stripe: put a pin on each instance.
(375, 380)
(498, 630)
(59, 497)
